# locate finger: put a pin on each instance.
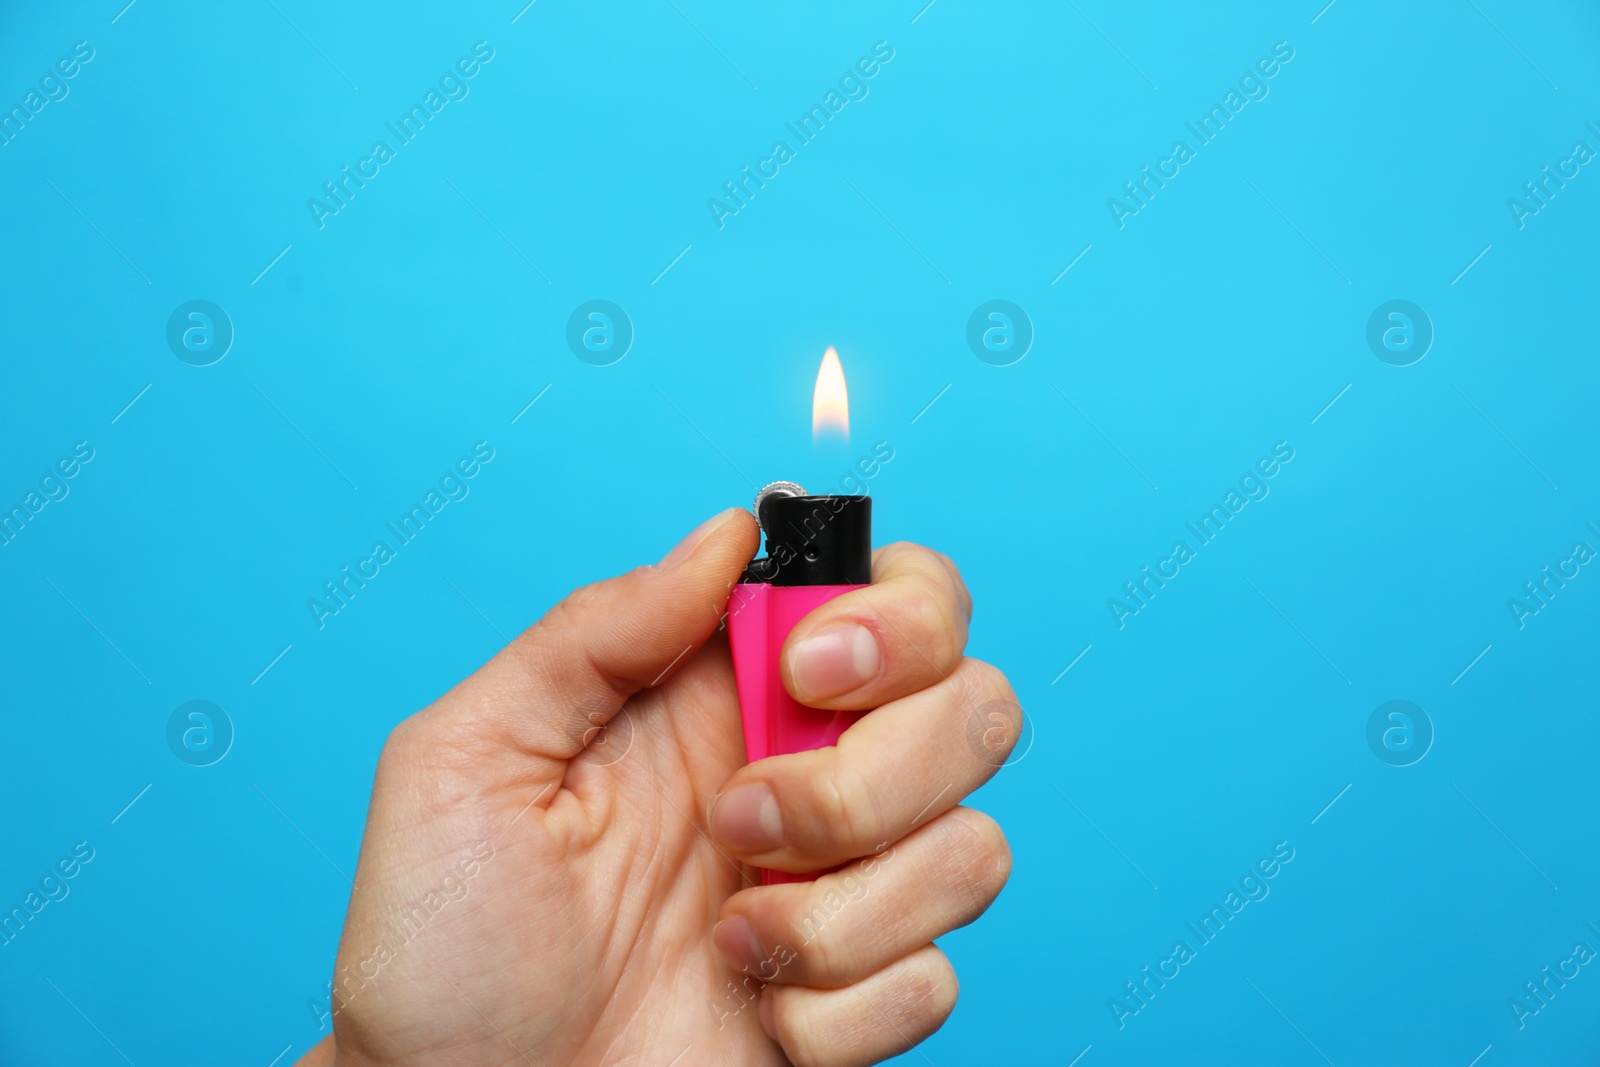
(852, 923)
(897, 767)
(881, 1016)
(549, 691)
(901, 634)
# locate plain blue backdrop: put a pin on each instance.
(1185, 741)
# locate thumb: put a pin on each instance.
(547, 692)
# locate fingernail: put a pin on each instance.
(764, 1010)
(746, 819)
(737, 942)
(834, 661)
(685, 548)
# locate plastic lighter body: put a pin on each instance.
(760, 617)
(818, 548)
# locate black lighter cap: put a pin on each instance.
(815, 540)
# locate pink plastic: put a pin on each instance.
(760, 617)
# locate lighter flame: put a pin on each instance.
(830, 402)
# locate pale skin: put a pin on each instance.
(575, 836)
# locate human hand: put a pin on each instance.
(551, 843)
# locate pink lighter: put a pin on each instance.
(817, 548)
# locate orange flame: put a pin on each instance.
(830, 402)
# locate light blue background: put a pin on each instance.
(1223, 318)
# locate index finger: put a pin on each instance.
(901, 634)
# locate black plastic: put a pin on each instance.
(815, 540)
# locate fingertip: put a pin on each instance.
(725, 522)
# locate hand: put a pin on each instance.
(550, 845)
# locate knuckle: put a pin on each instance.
(818, 953)
(945, 576)
(834, 817)
(886, 559)
(425, 743)
(954, 643)
(932, 618)
(567, 616)
(580, 598)
(415, 738)
(798, 1032)
(559, 616)
(897, 550)
(953, 574)
(953, 571)
(401, 743)
(408, 754)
